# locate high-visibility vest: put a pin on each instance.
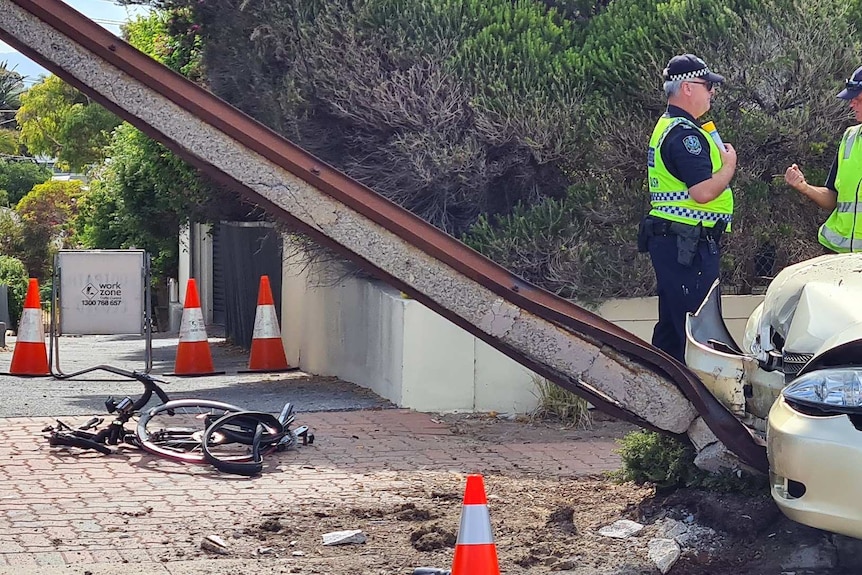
(669, 196)
(842, 232)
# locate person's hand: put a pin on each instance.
(728, 156)
(795, 178)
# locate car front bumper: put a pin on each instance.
(815, 468)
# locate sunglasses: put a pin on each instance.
(709, 85)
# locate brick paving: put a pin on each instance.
(62, 508)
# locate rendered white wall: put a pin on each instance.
(639, 315)
(368, 333)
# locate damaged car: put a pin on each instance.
(796, 380)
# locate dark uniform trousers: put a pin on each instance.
(681, 288)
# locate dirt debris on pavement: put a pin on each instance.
(546, 523)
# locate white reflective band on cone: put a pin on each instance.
(475, 526)
(265, 323)
(30, 328)
(192, 327)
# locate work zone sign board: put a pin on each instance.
(101, 292)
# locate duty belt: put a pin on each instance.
(662, 227)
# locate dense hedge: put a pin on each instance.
(521, 125)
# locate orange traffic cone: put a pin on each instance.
(475, 552)
(267, 350)
(30, 356)
(193, 349)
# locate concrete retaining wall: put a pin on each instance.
(365, 332)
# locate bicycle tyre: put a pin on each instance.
(181, 441)
(267, 434)
(58, 440)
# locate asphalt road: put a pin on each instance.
(85, 394)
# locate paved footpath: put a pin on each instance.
(67, 511)
(66, 508)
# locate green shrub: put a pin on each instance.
(627, 45)
(650, 457)
(14, 274)
(580, 247)
(667, 462)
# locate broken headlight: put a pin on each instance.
(827, 390)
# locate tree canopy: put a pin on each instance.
(48, 213)
(59, 121)
(11, 86)
(17, 178)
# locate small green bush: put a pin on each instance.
(650, 457)
(667, 462)
(14, 274)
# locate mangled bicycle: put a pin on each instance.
(197, 431)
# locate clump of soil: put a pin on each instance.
(432, 537)
(272, 525)
(409, 512)
(368, 513)
(564, 519)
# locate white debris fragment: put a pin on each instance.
(664, 553)
(344, 537)
(621, 529)
(215, 544)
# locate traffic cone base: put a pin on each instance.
(268, 355)
(267, 349)
(475, 552)
(30, 357)
(193, 349)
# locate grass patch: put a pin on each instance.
(560, 405)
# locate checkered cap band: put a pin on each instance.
(688, 75)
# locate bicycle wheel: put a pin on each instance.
(248, 432)
(174, 430)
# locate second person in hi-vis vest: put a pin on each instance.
(691, 204)
(842, 232)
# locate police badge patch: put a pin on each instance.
(692, 144)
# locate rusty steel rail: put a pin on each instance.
(415, 231)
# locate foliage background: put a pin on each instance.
(520, 126)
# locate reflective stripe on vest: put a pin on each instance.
(669, 196)
(846, 207)
(692, 214)
(842, 231)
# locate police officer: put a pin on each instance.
(691, 204)
(842, 231)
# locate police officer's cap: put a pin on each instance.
(853, 86)
(689, 67)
